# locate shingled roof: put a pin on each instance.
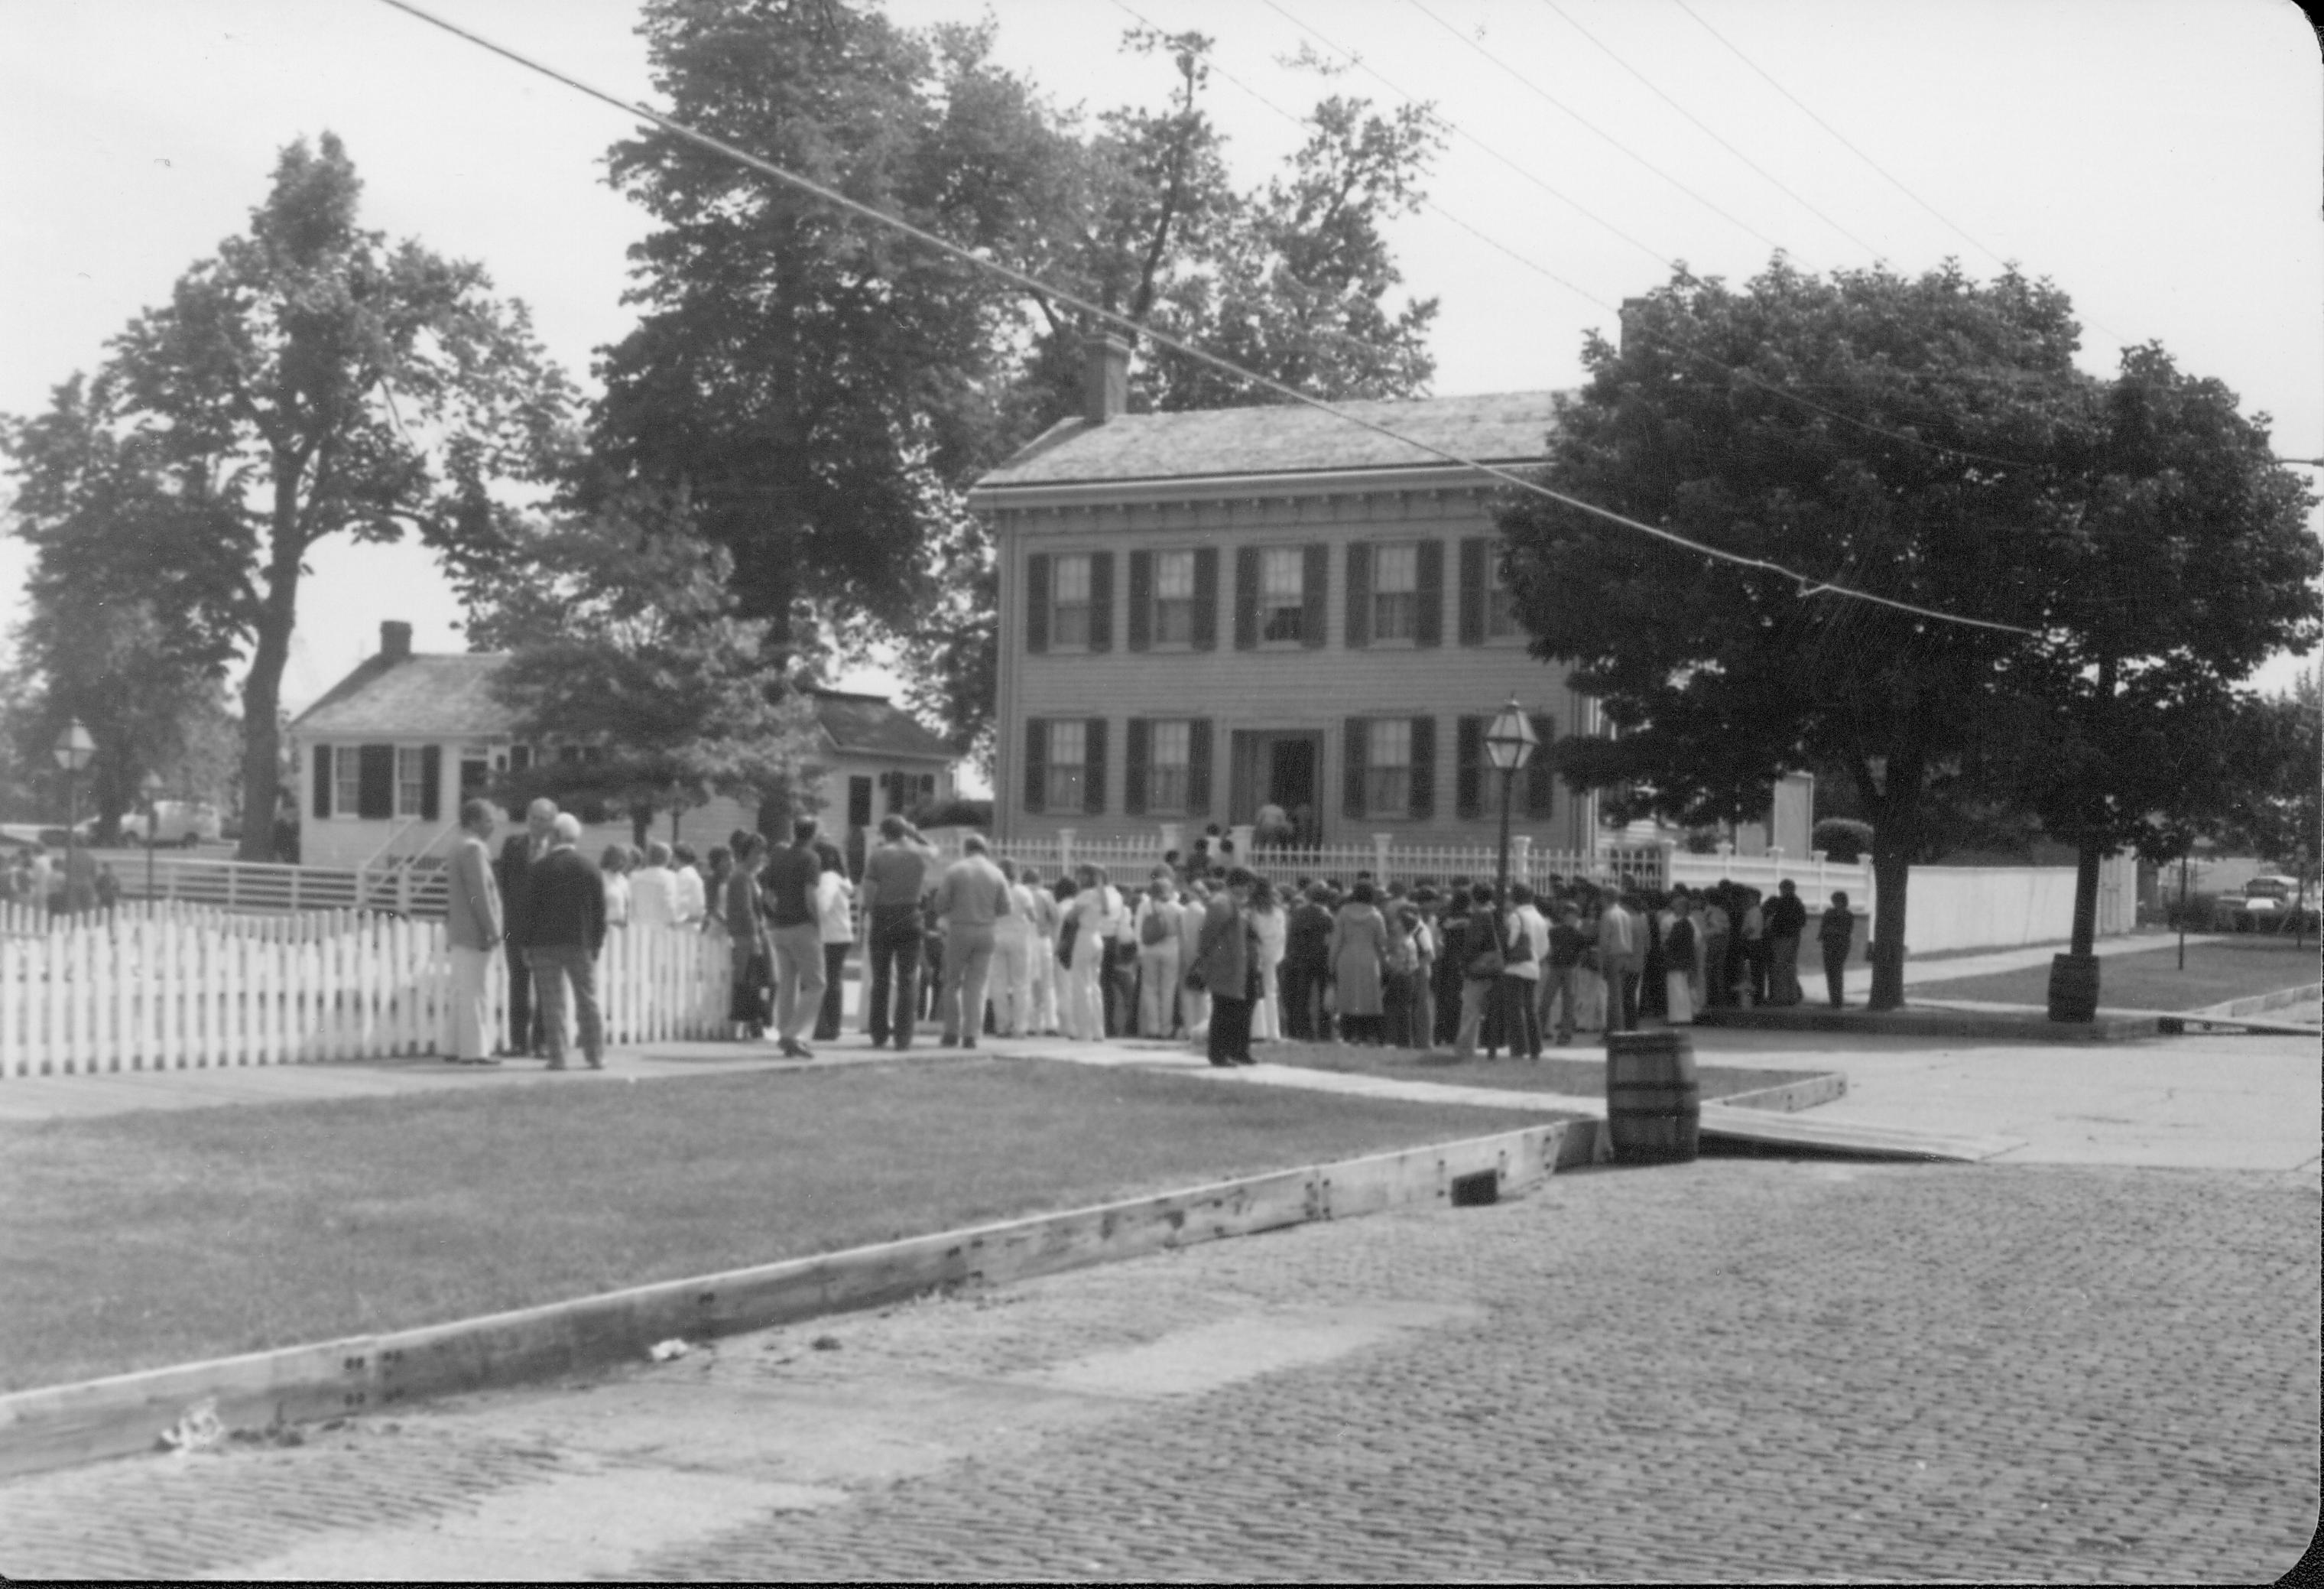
(1502, 428)
(449, 695)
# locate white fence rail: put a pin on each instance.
(1645, 865)
(155, 992)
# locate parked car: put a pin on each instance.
(2265, 904)
(181, 822)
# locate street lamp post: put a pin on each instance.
(151, 788)
(1508, 745)
(74, 750)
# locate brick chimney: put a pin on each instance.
(1105, 379)
(394, 641)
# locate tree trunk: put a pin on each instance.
(261, 693)
(2086, 896)
(1892, 866)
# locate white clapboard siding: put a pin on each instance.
(174, 987)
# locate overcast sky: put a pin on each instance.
(2157, 159)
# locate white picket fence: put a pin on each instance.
(152, 991)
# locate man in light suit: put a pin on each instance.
(473, 926)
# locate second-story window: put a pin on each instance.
(1069, 607)
(1068, 759)
(1174, 598)
(1396, 588)
(1282, 593)
(1500, 604)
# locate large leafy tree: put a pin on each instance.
(824, 388)
(626, 646)
(1926, 441)
(308, 381)
(2174, 557)
(802, 375)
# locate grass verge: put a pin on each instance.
(1553, 1072)
(139, 1241)
(2150, 979)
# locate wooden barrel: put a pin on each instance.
(2073, 987)
(1653, 1106)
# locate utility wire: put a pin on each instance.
(1607, 51)
(1731, 371)
(1735, 49)
(1553, 100)
(1575, 204)
(1808, 584)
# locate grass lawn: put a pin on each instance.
(1578, 1069)
(137, 1241)
(2217, 971)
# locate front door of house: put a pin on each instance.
(1276, 767)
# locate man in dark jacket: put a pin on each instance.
(517, 856)
(565, 924)
(1786, 921)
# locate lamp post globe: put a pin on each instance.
(74, 750)
(1509, 744)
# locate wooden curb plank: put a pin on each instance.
(62, 1426)
(1792, 1096)
(1721, 1118)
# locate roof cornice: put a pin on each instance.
(1187, 488)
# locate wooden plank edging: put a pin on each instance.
(1791, 1096)
(62, 1425)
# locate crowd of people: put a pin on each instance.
(1202, 949)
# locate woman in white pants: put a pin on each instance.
(1156, 930)
(1267, 920)
(1041, 1016)
(1097, 922)
(1010, 990)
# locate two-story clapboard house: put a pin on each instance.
(1205, 612)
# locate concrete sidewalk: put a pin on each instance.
(2191, 1102)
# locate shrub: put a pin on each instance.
(1842, 839)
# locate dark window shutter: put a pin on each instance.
(1037, 602)
(1423, 767)
(1206, 598)
(1352, 751)
(375, 781)
(1198, 767)
(1036, 766)
(431, 779)
(1245, 597)
(1141, 600)
(1314, 594)
(1541, 779)
(1133, 766)
(322, 789)
(1473, 590)
(1428, 625)
(1469, 767)
(1359, 595)
(1100, 601)
(1093, 767)
(520, 758)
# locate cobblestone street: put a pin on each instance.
(1738, 1369)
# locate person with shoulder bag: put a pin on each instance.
(1482, 943)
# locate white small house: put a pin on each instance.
(386, 756)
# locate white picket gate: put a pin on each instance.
(172, 990)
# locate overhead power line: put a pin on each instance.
(1546, 97)
(1957, 230)
(1607, 51)
(1808, 584)
(1851, 420)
